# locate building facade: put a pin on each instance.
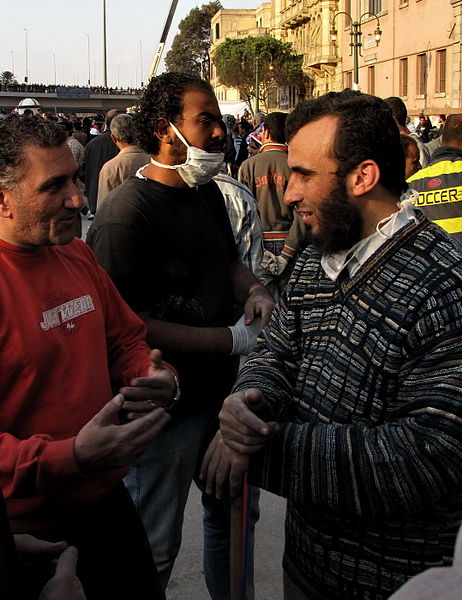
(232, 24)
(304, 23)
(417, 58)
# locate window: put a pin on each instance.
(421, 74)
(403, 76)
(349, 80)
(440, 86)
(371, 80)
(217, 31)
(375, 6)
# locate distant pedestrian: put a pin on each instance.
(99, 150)
(130, 158)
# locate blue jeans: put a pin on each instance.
(159, 485)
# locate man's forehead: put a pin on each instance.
(197, 102)
(48, 158)
(315, 137)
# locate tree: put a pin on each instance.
(236, 62)
(190, 47)
(7, 78)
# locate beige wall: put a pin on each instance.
(409, 28)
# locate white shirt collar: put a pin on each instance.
(353, 258)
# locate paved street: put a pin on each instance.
(187, 578)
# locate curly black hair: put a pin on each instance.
(17, 132)
(163, 98)
(366, 130)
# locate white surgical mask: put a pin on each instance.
(200, 166)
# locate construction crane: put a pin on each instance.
(163, 40)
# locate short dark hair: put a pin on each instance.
(17, 132)
(275, 124)
(110, 114)
(365, 130)
(398, 109)
(406, 141)
(163, 98)
(452, 131)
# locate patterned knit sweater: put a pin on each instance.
(365, 376)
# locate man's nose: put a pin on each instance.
(218, 131)
(74, 198)
(292, 194)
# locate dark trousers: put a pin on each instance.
(115, 560)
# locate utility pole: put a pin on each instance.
(104, 46)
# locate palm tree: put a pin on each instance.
(7, 78)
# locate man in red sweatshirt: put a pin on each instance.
(67, 341)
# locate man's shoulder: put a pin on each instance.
(433, 249)
(101, 141)
(442, 163)
(127, 193)
(76, 250)
(229, 185)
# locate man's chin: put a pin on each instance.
(332, 243)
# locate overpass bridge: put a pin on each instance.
(67, 99)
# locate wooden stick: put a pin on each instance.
(235, 551)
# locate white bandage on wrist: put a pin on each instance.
(244, 336)
(273, 264)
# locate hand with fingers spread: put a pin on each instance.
(223, 469)
(158, 388)
(103, 444)
(240, 427)
(64, 583)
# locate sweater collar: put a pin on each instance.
(273, 146)
(353, 258)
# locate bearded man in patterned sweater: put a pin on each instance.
(350, 404)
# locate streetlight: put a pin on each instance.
(26, 77)
(54, 66)
(12, 61)
(141, 64)
(258, 56)
(88, 56)
(356, 37)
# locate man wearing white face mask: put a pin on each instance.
(165, 239)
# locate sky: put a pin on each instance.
(64, 40)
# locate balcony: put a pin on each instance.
(295, 15)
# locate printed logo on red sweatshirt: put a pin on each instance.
(64, 313)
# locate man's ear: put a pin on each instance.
(364, 178)
(5, 210)
(163, 131)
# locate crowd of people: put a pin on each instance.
(272, 305)
(68, 90)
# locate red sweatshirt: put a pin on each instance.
(65, 335)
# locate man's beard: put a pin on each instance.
(340, 223)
